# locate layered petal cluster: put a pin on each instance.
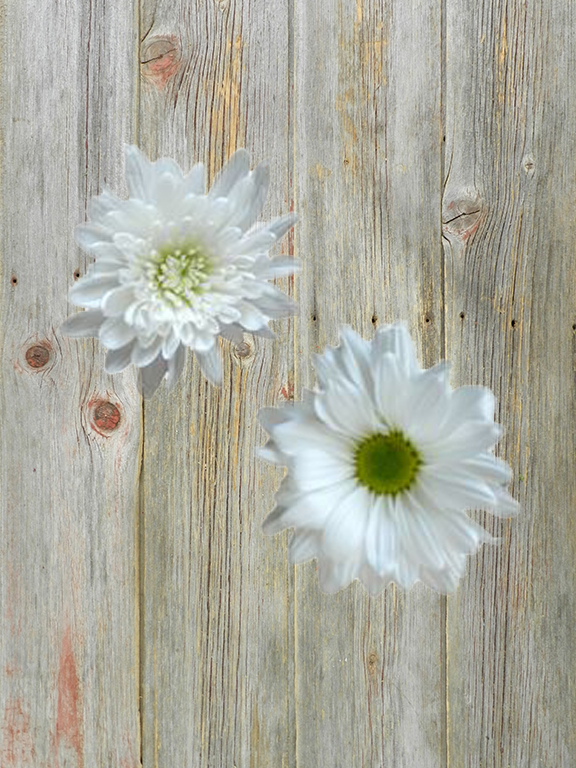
(176, 267)
(383, 460)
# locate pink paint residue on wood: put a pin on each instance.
(67, 719)
(17, 746)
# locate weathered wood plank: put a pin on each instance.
(369, 672)
(510, 297)
(68, 591)
(217, 632)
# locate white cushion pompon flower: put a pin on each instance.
(176, 267)
(383, 460)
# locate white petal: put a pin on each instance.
(88, 292)
(176, 366)
(105, 266)
(469, 404)
(254, 198)
(332, 577)
(491, 468)
(235, 169)
(505, 505)
(318, 469)
(391, 391)
(118, 359)
(427, 402)
(167, 166)
(168, 195)
(270, 454)
(267, 269)
(382, 545)
(259, 242)
(170, 345)
(354, 355)
(275, 304)
(117, 301)
(469, 440)
(150, 377)
(422, 543)
(280, 226)
(345, 531)
(233, 333)
(264, 333)
(85, 323)
(211, 364)
(453, 491)
(115, 333)
(295, 437)
(312, 510)
(443, 581)
(345, 408)
(143, 355)
(395, 339)
(100, 205)
(270, 417)
(304, 545)
(194, 183)
(90, 235)
(251, 318)
(139, 174)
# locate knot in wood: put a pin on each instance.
(106, 416)
(37, 356)
(160, 59)
(243, 349)
(529, 165)
(462, 216)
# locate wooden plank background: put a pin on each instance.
(145, 619)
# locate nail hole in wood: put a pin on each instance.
(462, 315)
(314, 318)
(513, 323)
(427, 319)
(574, 327)
(374, 319)
(76, 274)
(14, 280)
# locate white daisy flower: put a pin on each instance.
(176, 267)
(383, 460)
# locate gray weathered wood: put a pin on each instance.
(510, 298)
(217, 631)
(369, 672)
(155, 602)
(68, 560)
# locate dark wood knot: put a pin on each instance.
(106, 416)
(37, 356)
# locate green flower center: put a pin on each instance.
(177, 273)
(387, 464)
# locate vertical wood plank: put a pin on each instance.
(217, 630)
(510, 297)
(369, 672)
(69, 434)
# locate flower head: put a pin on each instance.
(383, 460)
(176, 267)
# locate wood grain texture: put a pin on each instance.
(510, 298)
(68, 648)
(369, 672)
(146, 620)
(217, 630)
